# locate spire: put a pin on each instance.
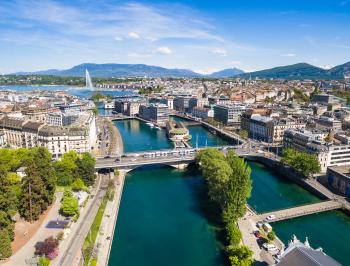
(306, 243)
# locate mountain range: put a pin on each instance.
(301, 71)
(131, 70)
(297, 71)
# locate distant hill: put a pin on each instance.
(300, 71)
(117, 70)
(130, 70)
(226, 73)
(297, 71)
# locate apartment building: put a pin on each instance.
(229, 114)
(334, 153)
(24, 133)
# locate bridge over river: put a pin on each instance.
(176, 158)
(293, 212)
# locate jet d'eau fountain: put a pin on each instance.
(88, 80)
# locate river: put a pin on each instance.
(160, 220)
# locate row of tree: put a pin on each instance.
(303, 162)
(229, 186)
(31, 195)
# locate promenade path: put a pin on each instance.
(70, 248)
(26, 253)
(300, 211)
(109, 222)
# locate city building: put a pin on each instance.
(229, 114)
(181, 104)
(335, 152)
(338, 178)
(202, 113)
(81, 136)
(327, 99)
(156, 113)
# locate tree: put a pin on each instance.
(243, 133)
(240, 186)
(69, 205)
(78, 185)
(8, 198)
(49, 245)
(66, 168)
(34, 194)
(305, 163)
(5, 244)
(233, 233)
(240, 256)
(86, 169)
(41, 160)
(271, 236)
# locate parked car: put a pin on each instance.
(269, 247)
(259, 224)
(257, 234)
(271, 217)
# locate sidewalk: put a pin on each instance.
(27, 251)
(109, 222)
(66, 245)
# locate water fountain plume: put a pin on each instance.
(88, 80)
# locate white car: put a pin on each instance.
(269, 247)
(271, 217)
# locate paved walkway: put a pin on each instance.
(27, 251)
(109, 222)
(71, 246)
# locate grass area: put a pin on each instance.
(90, 239)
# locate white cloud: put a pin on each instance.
(164, 50)
(133, 35)
(221, 52)
(119, 39)
(289, 55)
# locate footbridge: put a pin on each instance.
(294, 212)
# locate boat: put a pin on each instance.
(158, 127)
(150, 124)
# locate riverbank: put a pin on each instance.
(109, 222)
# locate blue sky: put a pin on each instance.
(201, 35)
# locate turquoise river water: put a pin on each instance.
(161, 221)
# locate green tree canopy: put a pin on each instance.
(5, 244)
(69, 205)
(86, 168)
(305, 163)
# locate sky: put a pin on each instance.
(201, 35)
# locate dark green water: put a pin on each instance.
(161, 222)
(137, 136)
(271, 192)
(329, 230)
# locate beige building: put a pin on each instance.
(80, 137)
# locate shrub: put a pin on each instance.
(49, 246)
(43, 261)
